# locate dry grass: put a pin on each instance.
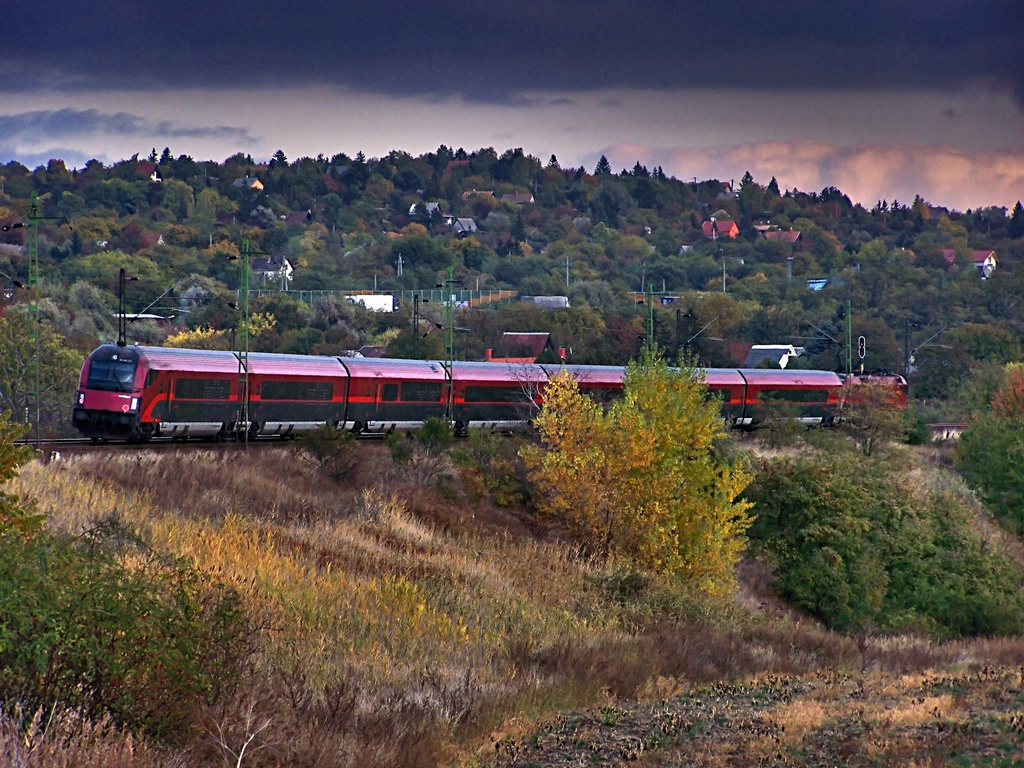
(401, 624)
(61, 740)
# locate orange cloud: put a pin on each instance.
(942, 175)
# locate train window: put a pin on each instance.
(150, 378)
(389, 393)
(421, 392)
(297, 390)
(111, 375)
(496, 395)
(202, 389)
(793, 395)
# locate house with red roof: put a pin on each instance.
(716, 227)
(521, 348)
(984, 260)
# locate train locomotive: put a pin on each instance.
(135, 394)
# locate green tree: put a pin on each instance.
(642, 480)
(603, 167)
(208, 203)
(178, 198)
(984, 343)
(1015, 228)
(872, 414)
(16, 518)
(990, 448)
(861, 544)
(59, 367)
(989, 458)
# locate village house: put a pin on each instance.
(720, 225)
(248, 182)
(984, 261)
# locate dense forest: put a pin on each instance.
(729, 263)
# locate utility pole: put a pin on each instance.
(243, 352)
(449, 339)
(849, 340)
(122, 317)
(415, 326)
(906, 351)
(33, 297)
(650, 318)
(244, 357)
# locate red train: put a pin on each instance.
(138, 393)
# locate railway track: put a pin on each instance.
(84, 444)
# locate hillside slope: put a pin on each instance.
(403, 618)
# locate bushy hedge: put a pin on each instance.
(989, 455)
(100, 625)
(858, 545)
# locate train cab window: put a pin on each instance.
(150, 378)
(111, 375)
(297, 390)
(389, 393)
(421, 392)
(202, 389)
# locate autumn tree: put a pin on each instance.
(642, 480)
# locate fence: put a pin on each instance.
(476, 299)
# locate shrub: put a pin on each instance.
(102, 626)
(333, 450)
(491, 467)
(989, 458)
(860, 547)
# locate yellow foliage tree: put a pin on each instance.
(260, 322)
(199, 338)
(642, 480)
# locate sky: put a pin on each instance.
(884, 99)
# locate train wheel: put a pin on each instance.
(357, 428)
(460, 429)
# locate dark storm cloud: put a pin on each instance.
(66, 123)
(34, 137)
(488, 49)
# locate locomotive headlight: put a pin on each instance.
(135, 403)
(81, 398)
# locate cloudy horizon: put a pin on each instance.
(884, 100)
